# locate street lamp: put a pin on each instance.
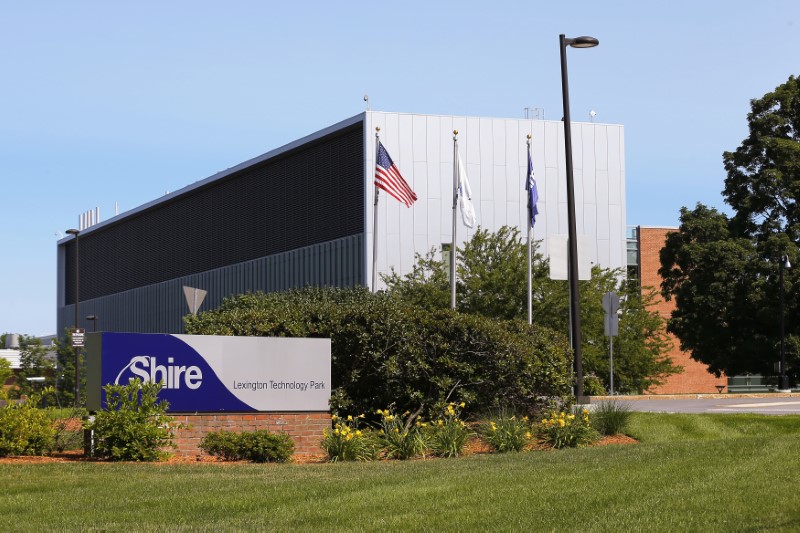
(93, 320)
(784, 379)
(572, 252)
(76, 233)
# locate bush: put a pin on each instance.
(258, 446)
(399, 436)
(388, 351)
(134, 426)
(449, 434)
(25, 429)
(348, 441)
(564, 430)
(611, 417)
(507, 432)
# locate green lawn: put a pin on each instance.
(689, 473)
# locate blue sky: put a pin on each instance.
(104, 102)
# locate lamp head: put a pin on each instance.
(583, 42)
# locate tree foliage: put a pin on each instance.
(724, 272)
(492, 270)
(387, 351)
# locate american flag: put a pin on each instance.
(388, 178)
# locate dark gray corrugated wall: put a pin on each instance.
(160, 308)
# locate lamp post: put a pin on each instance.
(572, 252)
(784, 379)
(76, 233)
(93, 320)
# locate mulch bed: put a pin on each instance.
(475, 446)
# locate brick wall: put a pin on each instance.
(695, 376)
(304, 428)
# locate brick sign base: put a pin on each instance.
(304, 428)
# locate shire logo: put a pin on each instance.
(172, 376)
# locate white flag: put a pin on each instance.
(465, 194)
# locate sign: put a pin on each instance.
(205, 373)
(559, 256)
(611, 306)
(194, 298)
(78, 336)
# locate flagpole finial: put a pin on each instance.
(455, 132)
(530, 136)
(377, 129)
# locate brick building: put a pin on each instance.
(644, 247)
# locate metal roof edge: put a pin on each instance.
(224, 173)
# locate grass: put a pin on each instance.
(689, 473)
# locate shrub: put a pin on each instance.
(348, 441)
(449, 434)
(563, 430)
(385, 350)
(611, 417)
(400, 436)
(134, 426)
(25, 429)
(506, 432)
(259, 446)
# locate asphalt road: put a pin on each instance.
(767, 406)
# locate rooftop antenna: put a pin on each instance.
(592, 114)
(534, 113)
(366, 99)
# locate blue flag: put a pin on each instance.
(533, 193)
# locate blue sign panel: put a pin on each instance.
(214, 373)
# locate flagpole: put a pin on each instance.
(530, 228)
(375, 219)
(455, 207)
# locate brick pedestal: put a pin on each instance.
(304, 428)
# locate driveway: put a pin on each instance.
(713, 403)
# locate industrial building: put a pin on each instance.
(302, 214)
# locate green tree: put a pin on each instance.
(65, 372)
(35, 363)
(491, 282)
(724, 272)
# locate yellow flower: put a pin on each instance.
(528, 434)
(325, 433)
(349, 418)
(334, 418)
(561, 422)
(494, 426)
(586, 411)
(525, 418)
(396, 430)
(462, 405)
(544, 421)
(358, 433)
(361, 415)
(439, 423)
(336, 432)
(349, 436)
(571, 417)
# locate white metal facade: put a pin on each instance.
(494, 151)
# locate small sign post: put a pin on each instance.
(78, 337)
(611, 306)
